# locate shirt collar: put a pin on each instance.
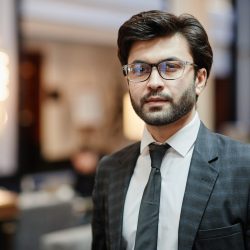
(181, 141)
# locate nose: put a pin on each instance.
(155, 81)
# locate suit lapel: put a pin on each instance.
(118, 186)
(201, 180)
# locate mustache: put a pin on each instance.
(163, 96)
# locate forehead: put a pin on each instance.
(157, 49)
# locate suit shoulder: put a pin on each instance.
(214, 142)
(109, 160)
(234, 147)
(232, 142)
(125, 150)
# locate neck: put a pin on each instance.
(162, 133)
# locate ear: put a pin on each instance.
(200, 81)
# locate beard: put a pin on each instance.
(159, 116)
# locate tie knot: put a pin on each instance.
(157, 153)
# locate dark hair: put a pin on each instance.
(152, 24)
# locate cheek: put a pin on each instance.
(136, 92)
(179, 88)
(175, 91)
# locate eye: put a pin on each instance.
(139, 68)
(170, 66)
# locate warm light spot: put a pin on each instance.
(3, 117)
(4, 58)
(132, 124)
(4, 90)
(4, 74)
(4, 93)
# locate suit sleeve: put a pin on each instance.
(98, 220)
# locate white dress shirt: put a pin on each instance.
(174, 172)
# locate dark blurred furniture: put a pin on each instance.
(8, 214)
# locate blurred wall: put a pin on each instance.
(81, 95)
(8, 105)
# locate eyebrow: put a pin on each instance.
(173, 58)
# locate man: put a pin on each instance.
(203, 201)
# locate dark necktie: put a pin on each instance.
(147, 228)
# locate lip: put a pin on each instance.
(155, 100)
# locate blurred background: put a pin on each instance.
(64, 104)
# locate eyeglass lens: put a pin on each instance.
(167, 69)
(170, 69)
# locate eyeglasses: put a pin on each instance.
(167, 69)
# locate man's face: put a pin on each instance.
(158, 101)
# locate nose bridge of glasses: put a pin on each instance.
(155, 67)
(155, 79)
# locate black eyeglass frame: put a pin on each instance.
(156, 65)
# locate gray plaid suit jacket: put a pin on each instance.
(215, 212)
